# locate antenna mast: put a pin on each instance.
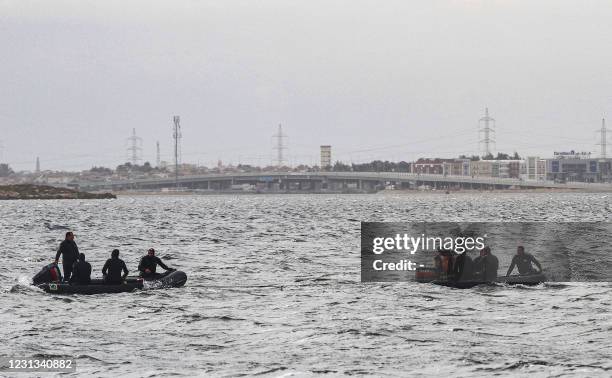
(158, 157)
(177, 146)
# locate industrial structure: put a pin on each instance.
(486, 127)
(177, 135)
(37, 165)
(603, 139)
(134, 148)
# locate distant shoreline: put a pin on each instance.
(44, 192)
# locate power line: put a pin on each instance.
(135, 148)
(486, 130)
(603, 139)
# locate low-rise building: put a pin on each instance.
(454, 167)
(499, 168)
(533, 168)
(458, 167)
(577, 168)
(482, 168)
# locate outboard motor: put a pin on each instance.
(49, 273)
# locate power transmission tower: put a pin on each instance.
(603, 139)
(37, 164)
(177, 146)
(158, 158)
(280, 146)
(486, 127)
(135, 148)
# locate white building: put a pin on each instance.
(326, 157)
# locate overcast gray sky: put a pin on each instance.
(375, 79)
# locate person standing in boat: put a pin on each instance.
(524, 263)
(69, 252)
(81, 271)
(112, 269)
(486, 265)
(148, 264)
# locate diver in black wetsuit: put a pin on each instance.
(486, 265)
(148, 264)
(524, 262)
(69, 252)
(112, 269)
(463, 267)
(81, 271)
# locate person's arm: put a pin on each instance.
(160, 263)
(535, 261)
(75, 273)
(59, 252)
(105, 268)
(512, 265)
(456, 265)
(125, 271)
(141, 265)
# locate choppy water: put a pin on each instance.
(274, 290)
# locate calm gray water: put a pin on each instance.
(274, 290)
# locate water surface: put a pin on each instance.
(274, 289)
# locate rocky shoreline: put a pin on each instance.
(29, 192)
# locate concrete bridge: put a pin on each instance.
(329, 182)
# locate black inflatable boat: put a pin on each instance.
(429, 275)
(173, 278)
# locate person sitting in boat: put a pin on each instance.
(148, 264)
(112, 269)
(443, 262)
(524, 263)
(81, 271)
(462, 269)
(486, 265)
